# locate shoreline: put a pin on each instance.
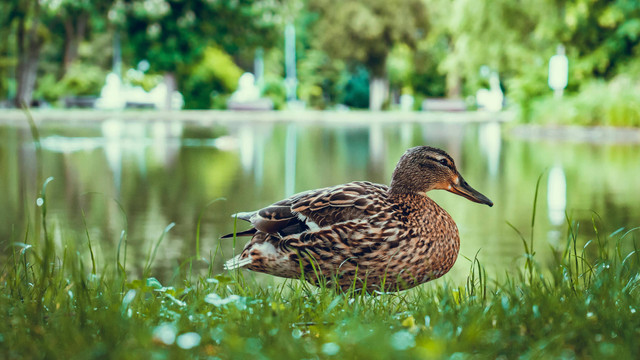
(576, 133)
(526, 132)
(205, 117)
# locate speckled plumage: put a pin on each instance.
(360, 234)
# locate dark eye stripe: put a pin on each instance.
(443, 161)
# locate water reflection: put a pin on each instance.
(112, 132)
(246, 139)
(290, 153)
(67, 145)
(557, 195)
(490, 139)
(376, 145)
(133, 138)
(406, 134)
(163, 172)
(250, 140)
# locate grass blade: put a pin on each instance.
(86, 230)
(152, 254)
(198, 224)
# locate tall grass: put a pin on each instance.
(56, 302)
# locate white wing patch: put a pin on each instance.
(312, 226)
(266, 249)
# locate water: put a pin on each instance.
(140, 176)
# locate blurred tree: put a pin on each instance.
(76, 19)
(400, 68)
(514, 39)
(320, 82)
(428, 78)
(365, 31)
(465, 41)
(7, 60)
(356, 89)
(603, 35)
(506, 36)
(31, 26)
(216, 71)
(171, 34)
(24, 17)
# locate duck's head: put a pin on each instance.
(425, 168)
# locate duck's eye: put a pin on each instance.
(444, 162)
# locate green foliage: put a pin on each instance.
(193, 38)
(428, 79)
(210, 79)
(616, 103)
(400, 66)
(170, 33)
(428, 48)
(517, 40)
(7, 62)
(604, 35)
(366, 31)
(320, 79)
(510, 38)
(144, 80)
(49, 89)
(274, 89)
(81, 79)
(356, 89)
(523, 89)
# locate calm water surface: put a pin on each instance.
(142, 176)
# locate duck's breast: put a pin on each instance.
(438, 242)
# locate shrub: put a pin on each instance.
(616, 103)
(274, 89)
(83, 79)
(214, 75)
(356, 89)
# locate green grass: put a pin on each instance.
(599, 103)
(57, 303)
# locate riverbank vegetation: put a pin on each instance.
(60, 299)
(599, 103)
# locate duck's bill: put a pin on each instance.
(465, 190)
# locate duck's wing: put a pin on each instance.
(315, 208)
(341, 203)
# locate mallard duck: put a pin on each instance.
(362, 235)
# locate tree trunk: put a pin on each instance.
(171, 83)
(378, 92)
(28, 52)
(74, 28)
(454, 85)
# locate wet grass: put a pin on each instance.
(56, 301)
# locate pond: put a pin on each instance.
(142, 175)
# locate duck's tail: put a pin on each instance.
(237, 263)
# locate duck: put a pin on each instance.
(362, 235)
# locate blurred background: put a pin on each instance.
(513, 91)
(325, 54)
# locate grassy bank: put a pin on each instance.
(599, 103)
(57, 303)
